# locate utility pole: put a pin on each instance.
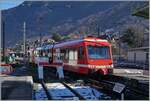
(119, 44)
(39, 20)
(3, 35)
(40, 39)
(98, 30)
(24, 38)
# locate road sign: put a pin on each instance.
(118, 87)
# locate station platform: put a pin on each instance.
(17, 85)
(16, 88)
(137, 74)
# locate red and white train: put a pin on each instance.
(84, 56)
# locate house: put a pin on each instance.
(138, 55)
(141, 54)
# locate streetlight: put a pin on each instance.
(3, 34)
(98, 30)
(39, 21)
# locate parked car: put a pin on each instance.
(5, 69)
(128, 64)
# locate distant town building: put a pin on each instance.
(7, 51)
(146, 39)
(141, 54)
(138, 55)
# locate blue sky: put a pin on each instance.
(6, 4)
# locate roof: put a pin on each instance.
(139, 48)
(142, 12)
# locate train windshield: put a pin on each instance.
(98, 52)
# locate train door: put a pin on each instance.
(58, 56)
(81, 56)
(73, 56)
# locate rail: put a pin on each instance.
(46, 90)
(108, 83)
(73, 91)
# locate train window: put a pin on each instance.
(75, 55)
(62, 54)
(28, 53)
(72, 54)
(43, 52)
(40, 53)
(80, 53)
(98, 52)
(37, 53)
(49, 53)
(57, 57)
(67, 54)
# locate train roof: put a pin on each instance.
(72, 42)
(16, 52)
(80, 40)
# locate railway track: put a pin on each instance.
(71, 95)
(106, 85)
(131, 84)
(46, 90)
(59, 91)
(72, 90)
(53, 92)
(76, 92)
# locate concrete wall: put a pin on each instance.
(130, 56)
(140, 56)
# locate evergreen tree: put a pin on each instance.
(133, 36)
(56, 37)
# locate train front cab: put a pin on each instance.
(88, 58)
(99, 57)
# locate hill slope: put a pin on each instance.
(66, 17)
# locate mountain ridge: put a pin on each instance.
(65, 17)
